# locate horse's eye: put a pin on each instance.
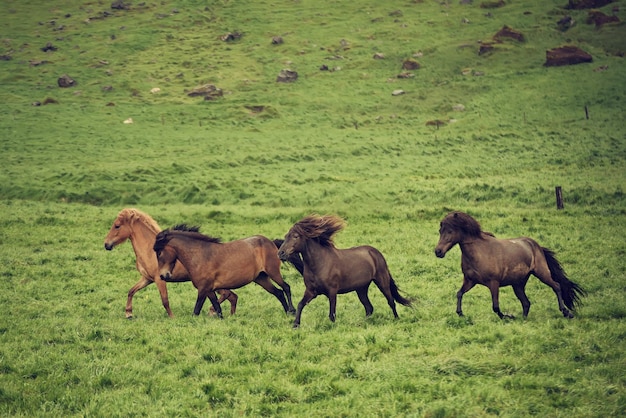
(118, 226)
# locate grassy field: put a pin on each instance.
(265, 154)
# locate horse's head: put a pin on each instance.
(293, 244)
(166, 255)
(453, 228)
(120, 230)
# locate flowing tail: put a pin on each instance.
(570, 291)
(293, 259)
(396, 294)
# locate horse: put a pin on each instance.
(141, 229)
(213, 265)
(494, 263)
(331, 271)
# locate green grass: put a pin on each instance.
(333, 142)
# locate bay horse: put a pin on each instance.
(215, 266)
(494, 263)
(331, 271)
(141, 229)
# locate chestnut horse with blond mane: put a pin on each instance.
(138, 227)
(494, 262)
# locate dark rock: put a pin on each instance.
(566, 55)
(410, 64)
(565, 23)
(587, 4)
(5, 58)
(507, 32)
(598, 18)
(231, 36)
(287, 76)
(492, 4)
(485, 48)
(66, 81)
(277, 40)
(49, 47)
(120, 5)
(208, 90)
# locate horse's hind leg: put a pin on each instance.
(226, 294)
(385, 290)
(543, 274)
(494, 287)
(521, 295)
(362, 293)
(264, 281)
(278, 279)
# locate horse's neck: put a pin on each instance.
(472, 247)
(192, 247)
(313, 255)
(142, 238)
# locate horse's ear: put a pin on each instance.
(456, 214)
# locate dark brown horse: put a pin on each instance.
(329, 271)
(139, 227)
(214, 266)
(496, 262)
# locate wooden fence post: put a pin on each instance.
(559, 197)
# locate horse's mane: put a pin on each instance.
(464, 222)
(321, 228)
(164, 236)
(184, 227)
(131, 215)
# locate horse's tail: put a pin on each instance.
(395, 292)
(570, 291)
(294, 259)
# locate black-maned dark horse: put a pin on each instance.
(329, 271)
(213, 265)
(496, 262)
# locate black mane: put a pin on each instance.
(463, 222)
(164, 236)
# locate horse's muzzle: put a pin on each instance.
(439, 253)
(108, 246)
(282, 255)
(165, 277)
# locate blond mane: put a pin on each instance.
(131, 215)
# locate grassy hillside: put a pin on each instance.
(263, 155)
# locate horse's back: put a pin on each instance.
(360, 263)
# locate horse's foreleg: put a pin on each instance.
(308, 296)
(465, 287)
(216, 306)
(521, 295)
(143, 282)
(365, 300)
(202, 295)
(162, 286)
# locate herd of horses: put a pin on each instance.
(182, 253)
